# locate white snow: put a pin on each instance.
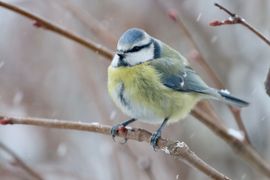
(2, 63)
(237, 134)
(199, 17)
(166, 150)
(226, 91)
(180, 144)
(113, 115)
(95, 123)
(62, 150)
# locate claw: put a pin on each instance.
(121, 128)
(154, 139)
(115, 131)
(124, 142)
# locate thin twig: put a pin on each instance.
(20, 162)
(249, 153)
(89, 22)
(177, 19)
(243, 149)
(211, 74)
(42, 23)
(176, 149)
(235, 19)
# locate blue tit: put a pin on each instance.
(152, 82)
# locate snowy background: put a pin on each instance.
(45, 75)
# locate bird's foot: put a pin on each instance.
(154, 139)
(119, 128)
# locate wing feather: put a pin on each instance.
(180, 77)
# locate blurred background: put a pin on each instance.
(45, 75)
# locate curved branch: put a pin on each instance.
(211, 74)
(176, 149)
(237, 144)
(244, 149)
(235, 19)
(45, 24)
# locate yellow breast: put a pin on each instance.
(138, 91)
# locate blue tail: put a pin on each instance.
(232, 100)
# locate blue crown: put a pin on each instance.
(132, 36)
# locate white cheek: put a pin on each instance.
(115, 61)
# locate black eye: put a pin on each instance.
(136, 48)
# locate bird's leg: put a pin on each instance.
(115, 128)
(156, 135)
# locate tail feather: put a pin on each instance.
(231, 99)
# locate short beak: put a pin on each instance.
(120, 54)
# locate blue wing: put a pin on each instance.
(180, 77)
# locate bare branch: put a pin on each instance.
(89, 22)
(239, 146)
(211, 74)
(42, 23)
(243, 149)
(176, 149)
(19, 162)
(172, 13)
(39, 22)
(235, 19)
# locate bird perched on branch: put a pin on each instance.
(152, 82)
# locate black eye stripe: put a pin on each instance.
(137, 48)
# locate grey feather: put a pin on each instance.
(183, 78)
(179, 77)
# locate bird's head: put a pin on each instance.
(134, 47)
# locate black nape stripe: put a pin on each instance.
(156, 49)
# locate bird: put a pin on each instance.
(152, 82)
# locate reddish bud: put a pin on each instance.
(216, 23)
(37, 24)
(4, 121)
(172, 14)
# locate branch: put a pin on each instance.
(42, 23)
(239, 146)
(211, 74)
(176, 149)
(20, 162)
(89, 22)
(235, 19)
